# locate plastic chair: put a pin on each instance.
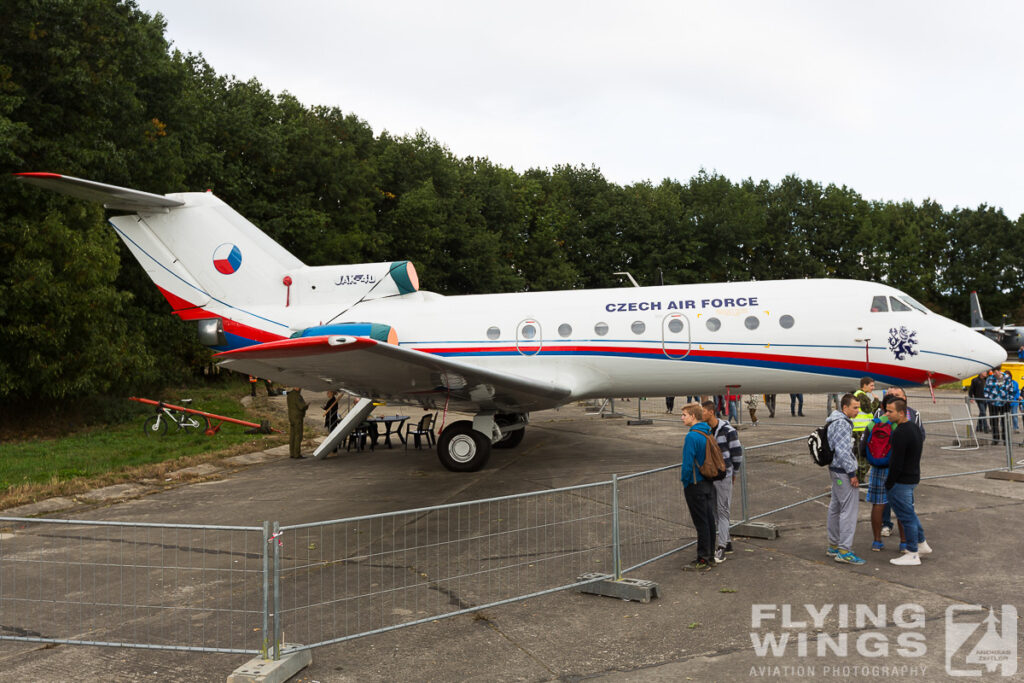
(425, 427)
(366, 431)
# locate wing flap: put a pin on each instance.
(374, 369)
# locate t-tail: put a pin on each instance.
(215, 267)
(976, 319)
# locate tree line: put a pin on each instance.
(92, 89)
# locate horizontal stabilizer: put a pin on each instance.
(111, 196)
(366, 367)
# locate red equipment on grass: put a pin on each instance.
(211, 427)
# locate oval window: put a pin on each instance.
(638, 327)
(493, 333)
(675, 325)
(564, 330)
(601, 329)
(528, 331)
(714, 324)
(751, 322)
(786, 321)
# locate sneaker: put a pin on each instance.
(719, 556)
(923, 548)
(699, 565)
(886, 530)
(877, 546)
(848, 557)
(728, 547)
(833, 550)
(906, 560)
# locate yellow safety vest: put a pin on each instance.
(863, 419)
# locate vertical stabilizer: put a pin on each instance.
(976, 319)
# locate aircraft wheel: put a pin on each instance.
(463, 449)
(511, 439)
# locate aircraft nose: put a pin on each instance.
(987, 351)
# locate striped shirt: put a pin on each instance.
(729, 443)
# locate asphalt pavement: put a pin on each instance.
(761, 614)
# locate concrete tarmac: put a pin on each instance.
(702, 625)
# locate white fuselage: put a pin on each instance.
(773, 336)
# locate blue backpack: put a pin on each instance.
(876, 443)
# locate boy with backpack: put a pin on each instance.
(698, 491)
(732, 453)
(842, 510)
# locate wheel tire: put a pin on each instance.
(154, 426)
(463, 449)
(511, 439)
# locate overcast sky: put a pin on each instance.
(897, 100)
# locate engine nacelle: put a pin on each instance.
(382, 333)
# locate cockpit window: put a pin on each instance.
(898, 305)
(879, 305)
(915, 303)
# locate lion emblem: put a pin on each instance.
(902, 342)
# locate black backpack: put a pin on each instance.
(820, 448)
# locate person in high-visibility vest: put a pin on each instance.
(868, 405)
(252, 386)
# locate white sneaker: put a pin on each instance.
(886, 530)
(923, 548)
(907, 559)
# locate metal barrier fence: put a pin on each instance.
(157, 586)
(252, 589)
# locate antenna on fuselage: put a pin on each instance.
(635, 284)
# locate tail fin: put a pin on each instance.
(976, 319)
(216, 267)
(206, 259)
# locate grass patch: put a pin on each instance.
(38, 468)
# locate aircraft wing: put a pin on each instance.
(373, 369)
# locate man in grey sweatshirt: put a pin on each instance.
(842, 510)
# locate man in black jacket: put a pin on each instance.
(976, 393)
(904, 476)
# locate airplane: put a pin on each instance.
(1011, 337)
(369, 330)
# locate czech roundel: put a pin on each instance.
(227, 258)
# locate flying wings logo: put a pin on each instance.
(227, 258)
(902, 342)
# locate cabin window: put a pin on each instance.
(879, 305)
(638, 327)
(601, 329)
(675, 325)
(898, 305)
(714, 324)
(493, 332)
(528, 332)
(751, 322)
(786, 321)
(564, 330)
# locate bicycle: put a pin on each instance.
(157, 424)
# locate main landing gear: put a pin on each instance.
(465, 446)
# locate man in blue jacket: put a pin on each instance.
(698, 491)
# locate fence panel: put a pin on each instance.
(132, 585)
(346, 578)
(653, 518)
